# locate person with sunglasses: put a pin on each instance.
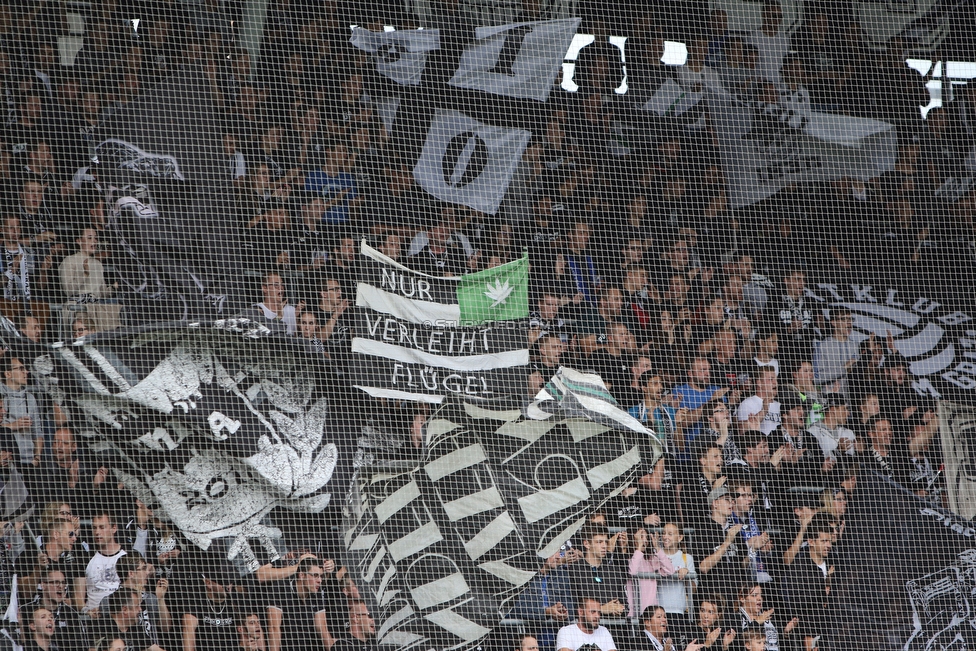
(56, 552)
(70, 633)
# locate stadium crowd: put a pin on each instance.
(695, 315)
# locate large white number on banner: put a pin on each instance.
(399, 55)
(519, 60)
(467, 162)
(464, 159)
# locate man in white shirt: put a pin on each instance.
(101, 579)
(773, 45)
(832, 435)
(586, 630)
(275, 312)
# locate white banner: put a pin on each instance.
(926, 23)
(766, 147)
(464, 161)
(957, 429)
(671, 99)
(519, 60)
(399, 55)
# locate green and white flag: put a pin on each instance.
(498, 294)
(421, 337)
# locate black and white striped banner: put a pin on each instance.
(445, 547)
(410, 343)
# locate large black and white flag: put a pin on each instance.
(399, 55)
(420, 337)
(924, 23)
(464, 161)
(519, 60)
(766, 147)
(214, 427)
(444, 546)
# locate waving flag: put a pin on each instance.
(464, 161)
(423, 337)
(520, 60)
(400, 55)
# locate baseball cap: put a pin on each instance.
(717, 493)
(749, 407)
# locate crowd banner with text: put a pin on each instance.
(400, 55)
(467, 162)
(420, 337)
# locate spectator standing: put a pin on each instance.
(708, 625)
(836, 355)
(832, 433)
(722, 565)
(297, 615)
(101, 579)
(20, 411)
(642, 593)
(250, 631)
(18, 266)
(119, 619)
(42, 629)
(134, 573)
(586, 630)
(83, 282)
(695, 393)
(334, 184)
(274, 311)
(547, 598)
(362, 630)
(758, 542)
(70, 632)
(673, 592)
(599, 574)
(808, 585)
(209, 618)
(69, 476)
(772, 44)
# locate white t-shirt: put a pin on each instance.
(829, 440)
(101, 579)
(572, 637)
(672, 592)
(772, 51)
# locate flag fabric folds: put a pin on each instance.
(400, 55)
(766, 147)
(420, 337)
(467, 162)
(519, 60)
(448, 542)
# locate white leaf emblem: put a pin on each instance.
(498, 292)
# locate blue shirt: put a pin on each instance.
(693, 399)
(329, 187)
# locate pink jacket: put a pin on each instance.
(659, 563)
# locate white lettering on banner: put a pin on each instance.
(923, 332)
(445, 341)
(435, 379)
(949, 523)
(219, 422)
(405, 284)
(863, 293)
